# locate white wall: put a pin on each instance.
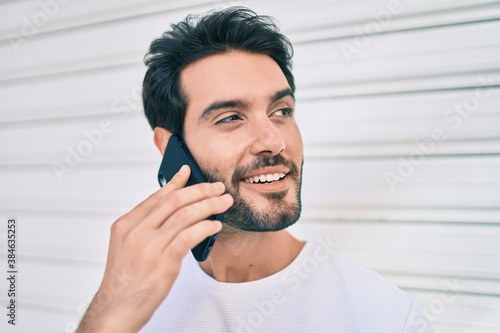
(369, 91)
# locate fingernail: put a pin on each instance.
(183, 169)
(218, 186)
(226, 197)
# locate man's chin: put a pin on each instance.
(277, 215)
(231, 228)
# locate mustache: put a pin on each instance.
(262, 162)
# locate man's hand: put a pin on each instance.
(146, 250)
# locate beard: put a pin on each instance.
(243, 216)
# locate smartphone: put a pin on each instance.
(176, 155)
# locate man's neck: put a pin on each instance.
(244, 257)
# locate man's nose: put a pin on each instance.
(267, 139)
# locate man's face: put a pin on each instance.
(240, 128)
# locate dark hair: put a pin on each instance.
(234, 28)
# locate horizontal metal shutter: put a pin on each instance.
(398, 104)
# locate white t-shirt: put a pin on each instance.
(317, 292)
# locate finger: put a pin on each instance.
(133, 217)
(190, 237)
(179, 199)
(180, 179)
(192, 214)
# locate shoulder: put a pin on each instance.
(347, 276)
(359, 280)
(368, 300)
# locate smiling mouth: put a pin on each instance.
(265, 178)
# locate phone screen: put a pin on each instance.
(176, 155)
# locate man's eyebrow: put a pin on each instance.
(237, 103)
(280, 94)
(234, 103)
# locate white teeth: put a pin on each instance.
(265, 178)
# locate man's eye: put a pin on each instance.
(286, 112)
(228, 119)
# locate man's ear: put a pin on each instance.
(160, 137)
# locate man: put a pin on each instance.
(224, 83)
